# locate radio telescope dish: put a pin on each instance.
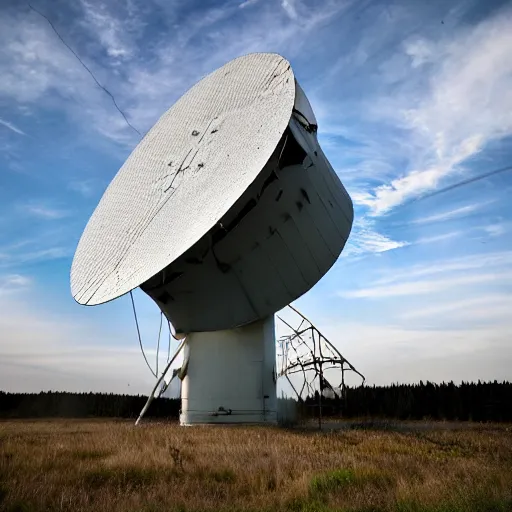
(225, 212)
(184, 176)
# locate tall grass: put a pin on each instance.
(113, 466)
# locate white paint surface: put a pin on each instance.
(185, 174)
(233, 369)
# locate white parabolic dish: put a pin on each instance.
(185, 174)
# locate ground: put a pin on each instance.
(95, 465)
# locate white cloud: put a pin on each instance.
(34, 61)
(44, 212)
(11, 127)
(371, 241)
(247, 3)
(290, 8)
(416, 182)
(51, 253)
(13, 283)
(450, 214)
(40, 351)
(496, 229)
(365, 239)
(85, 188)
(43, 349)
(439, 238)
(35, 65)
(112, 33)
(492, 261)
(467, 104)
(15, 259)
(486, 306)
(49, 243)
(419, 50)
(410, 288)
(402, 352)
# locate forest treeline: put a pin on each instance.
(481, 401)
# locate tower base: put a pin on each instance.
(230, 376)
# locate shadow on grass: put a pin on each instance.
(476, 505)
(480, 503)
(128, 477)
(224, 475)
(88, 454)
(3, 493)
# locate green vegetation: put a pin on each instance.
(332, 481)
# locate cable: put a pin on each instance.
(457, 185)
(86, 68)
(169, 343)
(158, 342)
(467, 182)
(140, 339)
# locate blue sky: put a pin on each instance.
(409, 97)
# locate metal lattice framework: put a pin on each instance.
(305, 350)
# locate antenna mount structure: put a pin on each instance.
(225, 212)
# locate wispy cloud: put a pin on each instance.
(13, 283)
(389, 353)
(85, 188)
(17, 258)
(365, 239)
(48, 243)
(439, 238)
(41, 350)
(11, 127)
(451, 214)
(474, 307)
(37, 65)
(290, 8)
(247, 3)
(51, 253)
(407, 108)
(113, 34)
(494, 261)
(457, 115)
(438, 104)
(459, 276)
(419, 50)
(496, 229)
(44, 212)
(423, 287)
(385, 197)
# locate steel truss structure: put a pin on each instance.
(307, 351)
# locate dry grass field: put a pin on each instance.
(113, 466)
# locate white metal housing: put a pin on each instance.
(274, 244)
(230, 376)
